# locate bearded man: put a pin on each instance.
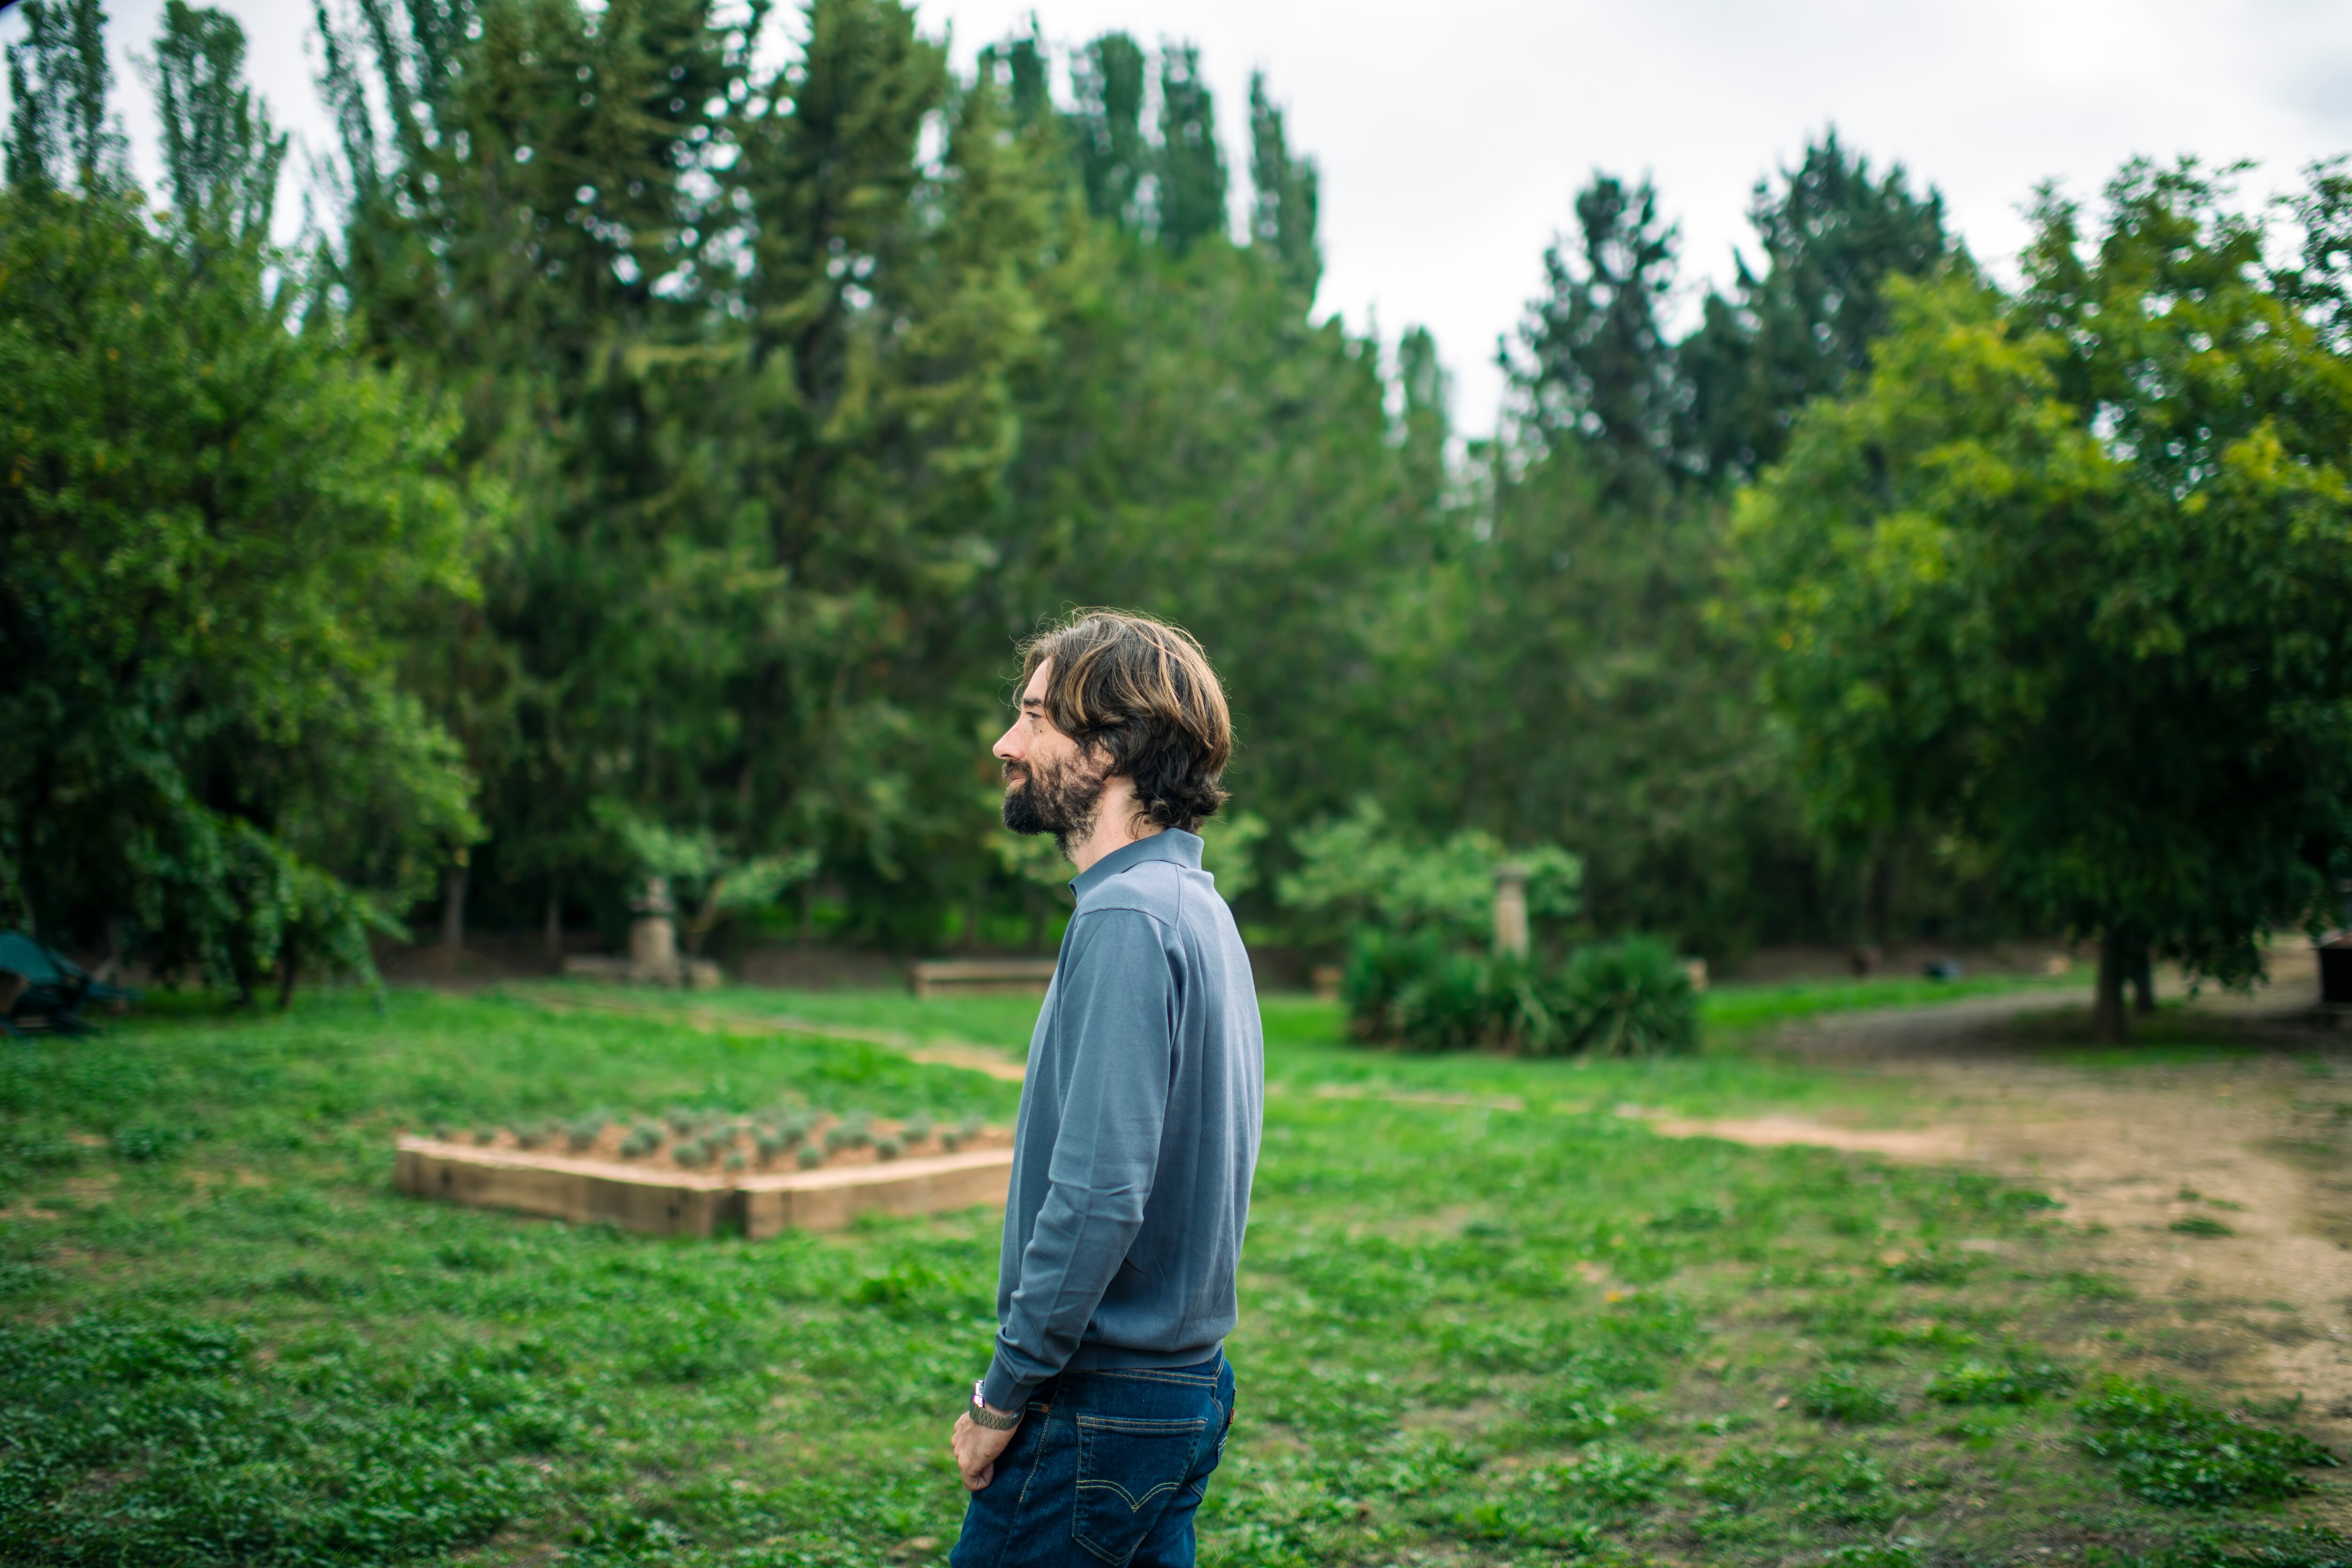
(1107, 1402)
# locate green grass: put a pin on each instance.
(1470, 1334)
(1738, 1006)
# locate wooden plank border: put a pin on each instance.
(678, 1203)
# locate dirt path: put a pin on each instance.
(2219, 1189)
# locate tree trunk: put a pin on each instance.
(2109, 1021)
(1880, 913)
(808, 911)
(289, 964)
(2143, 979)
(453, 906)
(554, 922)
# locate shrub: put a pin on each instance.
(2176, 1449)
(1628, 998)
(886, 1149)
(810, 1157)
(2200, 1225)
(919, 1128)
(584, 1132)
(1381, 965)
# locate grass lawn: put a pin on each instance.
(1469, 1333)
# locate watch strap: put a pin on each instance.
(994, 1420)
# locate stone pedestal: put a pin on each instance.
(1510, 911)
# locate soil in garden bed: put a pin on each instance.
(706, 1144)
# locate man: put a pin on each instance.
(1106, 1404)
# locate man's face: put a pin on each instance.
(1049, 784)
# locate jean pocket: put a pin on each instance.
(1129, 1472)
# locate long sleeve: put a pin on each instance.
(1115, 997)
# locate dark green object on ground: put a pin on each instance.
(46, 991)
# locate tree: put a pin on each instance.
(1285, 190)
(1598, 370)
(218, 150)
(1107, 126)
(58, 133)
(1830, 236)
(217, 529)
(1189, 202)
(2066, 584)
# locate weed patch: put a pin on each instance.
(2172, 1447)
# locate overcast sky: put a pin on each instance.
(1452, 138)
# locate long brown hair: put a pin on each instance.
(1143, 691)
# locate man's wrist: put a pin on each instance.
(986, 1414)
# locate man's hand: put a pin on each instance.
(976, 1449)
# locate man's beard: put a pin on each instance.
(1062, 800)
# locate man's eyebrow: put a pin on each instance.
(1029, 702)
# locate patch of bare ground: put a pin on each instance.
(2208, 1169)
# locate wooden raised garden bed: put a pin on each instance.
(760, 1178)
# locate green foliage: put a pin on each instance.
(1630, 998)
(2064, 542)
(2172, 1447)
(219, 532)
(1360, 869)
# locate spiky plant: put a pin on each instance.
(918, 1129)
(809, 1157)
(691, 1155)
(886, 1148)
(734, 1161)
(585, 1131)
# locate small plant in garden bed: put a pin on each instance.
(726, 1140)
(2173, 1448)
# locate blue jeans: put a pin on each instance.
(1108, 1468)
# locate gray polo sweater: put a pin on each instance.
(1139, 1130)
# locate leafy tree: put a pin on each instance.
(1358, 870)
(2066, 584)
(217, 529)
(1830, 234)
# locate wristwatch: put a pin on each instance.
(994, 1420)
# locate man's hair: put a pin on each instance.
(1142, 692)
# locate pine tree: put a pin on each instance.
(1599, 372)
(1830, 236)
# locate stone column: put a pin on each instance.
(1510, 910)
(653, 929)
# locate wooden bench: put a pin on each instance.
(982, 976)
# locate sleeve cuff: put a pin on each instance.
(1001, 1390)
